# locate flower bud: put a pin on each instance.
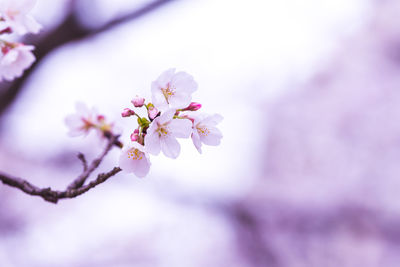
(101, 118)
(192, 107)
(134, 137)
(152, 111)
(138, 101)
(127, 112)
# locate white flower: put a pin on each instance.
(14, 59)
(204, 130)
(173, 90)
(14, 14)
(82, 121)
(163, 132)
(135, 159)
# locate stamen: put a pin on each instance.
(135, 154)
(203, 131)
(168, 92)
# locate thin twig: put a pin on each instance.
(83, 160)
(76, 188)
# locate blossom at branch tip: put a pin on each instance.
(15, 14)
(14, 59)
(82, 121)
(172, 90)
(205, 130)
(135, 159)
(162, 134)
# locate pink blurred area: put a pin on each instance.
(307, 172)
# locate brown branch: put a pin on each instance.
(75, 189)
(69, 30)
(82, 158)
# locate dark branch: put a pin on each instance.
(69, 30)
(75, 189)
(52, 195)
(82, 158)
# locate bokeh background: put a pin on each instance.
(306, 174)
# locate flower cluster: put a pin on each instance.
(16, 57)
(170, 115)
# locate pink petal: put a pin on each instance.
(170, 147)
(181, 128)
(152, 143)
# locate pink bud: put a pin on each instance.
(5, 49)
(152, 112)
(138, 101)
(193, 107)
(127, 112)
(134, 137)
(136, 131)
(6, 30)
(100, 118)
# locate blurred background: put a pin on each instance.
(306, 174)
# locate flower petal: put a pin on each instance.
(213, 138)
(180, 100)
(166, 116)
(196, 141)
(152, 143)
(142, 167)
(181, 128)
(170, 147)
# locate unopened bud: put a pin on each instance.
(100, 118)
(138, 101)
(134, 137)
(6, 30)
(152, 111)
(127, 112)
(193, 107)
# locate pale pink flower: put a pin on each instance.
(82, 121)
(173, 90)
(135, 159)
(14, 14)
(14, 59)
(163, 132)
(205, 131)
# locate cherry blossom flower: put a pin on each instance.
(14, 59)
(172, 90)
(204, 130)
(82, 121)
(163, 132)
(14, 14)
(135, 159)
